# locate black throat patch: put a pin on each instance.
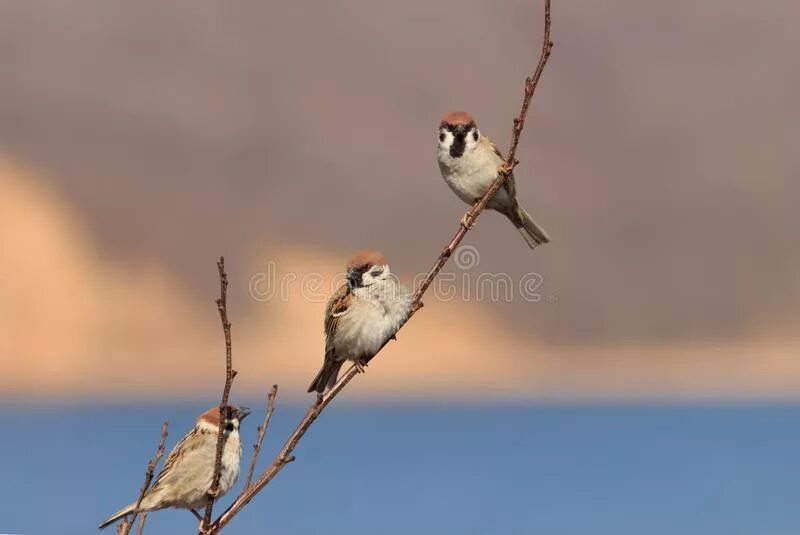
(459, 132)
(458, 146)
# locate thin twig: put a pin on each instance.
(140, 527)
(261, 430)
(230, 373)
(285, 456)
(125, 526)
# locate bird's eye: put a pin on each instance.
(441, 136)
(475, 135)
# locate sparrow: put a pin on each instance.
(469, 163)
(188, 472)
(361, 316)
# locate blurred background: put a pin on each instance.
(647, 381)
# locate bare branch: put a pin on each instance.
(230, 373)
(530, 87)
(125, 526)
(140, 527)
(285, 456)
(261, 430)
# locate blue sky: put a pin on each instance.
(552, 469)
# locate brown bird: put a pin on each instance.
(361, 316)
(188, 471)
(469, 163)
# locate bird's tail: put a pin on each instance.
(533, 233)
(327, 376)
(116, 516)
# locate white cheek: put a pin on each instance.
(447, 141)
(472, 142)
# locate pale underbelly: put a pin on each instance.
(470, 189)
(363, 334)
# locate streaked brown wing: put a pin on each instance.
(337, 307)
(510, 185)
(180, 450)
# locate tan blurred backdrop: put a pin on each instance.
(140, 140)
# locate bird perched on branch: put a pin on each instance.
(361, 316)
(188, 472)
(469, 163)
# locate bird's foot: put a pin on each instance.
(468, 219)
(202, 528)
(360, 365)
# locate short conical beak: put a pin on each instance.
(243, 412)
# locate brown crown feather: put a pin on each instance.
(212, 415)
(456, 118)
(366, 258)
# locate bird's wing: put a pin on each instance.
(510, 185)
(338, 305)
(183, 448)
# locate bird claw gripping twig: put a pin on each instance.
(468, 219)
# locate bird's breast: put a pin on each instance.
(367, 325)
(468, 177)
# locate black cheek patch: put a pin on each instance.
(353, 280)
(354, 277)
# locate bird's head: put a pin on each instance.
(210, 420)
(458, 134)
(366, 268)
